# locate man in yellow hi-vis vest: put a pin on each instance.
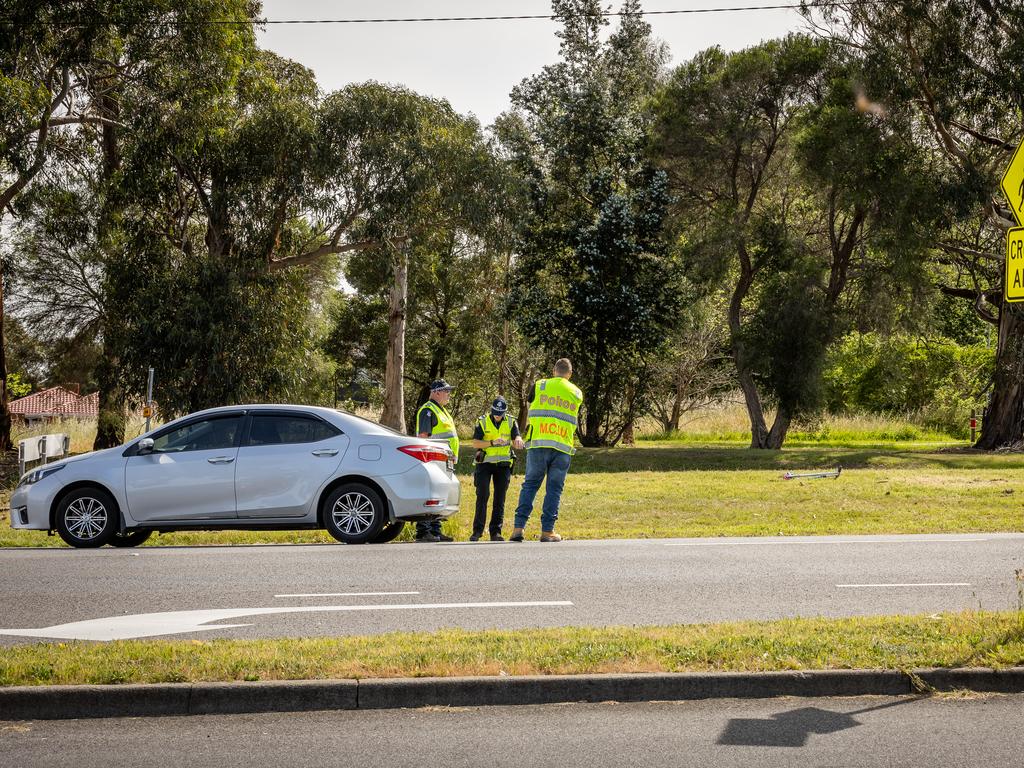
(435, 421)
(550, 444)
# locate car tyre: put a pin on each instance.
(87, 518)
(389, 532)
(354, 513)
(129, 538)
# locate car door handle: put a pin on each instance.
(221, 459)
(325, 452)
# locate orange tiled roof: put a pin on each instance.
(57, 401)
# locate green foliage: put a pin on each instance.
(938, 380)
(806, 209)
(593, 280)
(16, 387)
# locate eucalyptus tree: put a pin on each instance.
(593, 279)
(44, 94)
(955, 66)
(410, 179)
(793, 200)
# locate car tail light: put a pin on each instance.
(425, 453)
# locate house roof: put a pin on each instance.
(57, 401)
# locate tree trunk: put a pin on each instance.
(503, 358)
(745, 377)
(1003, 424)
(5, 415)
(394, 373)
(780, 427)
(110, 424)
(596, 407)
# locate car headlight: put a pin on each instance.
(36, 475)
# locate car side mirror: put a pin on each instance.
(145, 446)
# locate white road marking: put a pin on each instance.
(932, 584)
(347, 594)
(179, 622)
(817, 544)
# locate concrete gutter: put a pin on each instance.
(88, 701)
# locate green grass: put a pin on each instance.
(669, 489)
(971, 639)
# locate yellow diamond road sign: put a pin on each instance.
(1015, 264)
(1013, 184)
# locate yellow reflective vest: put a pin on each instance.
(554, 415)
(445, 426)
(497, 454)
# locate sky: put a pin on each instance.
(475, 64)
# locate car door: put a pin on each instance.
(285, 459)
(190, 474)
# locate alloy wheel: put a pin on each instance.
(86, 518)
(353, 513)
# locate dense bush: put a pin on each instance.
(936, 380)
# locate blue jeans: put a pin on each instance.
(541, 462)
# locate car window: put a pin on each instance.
(271, 429)
(206, 435)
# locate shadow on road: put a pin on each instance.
(791, 729)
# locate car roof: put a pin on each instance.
(265, 407)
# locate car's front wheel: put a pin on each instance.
(87, 518)
(129, 538)
(354, 513)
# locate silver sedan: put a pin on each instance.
(270, 467)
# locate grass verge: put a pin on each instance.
(666, 490)
(969, 639)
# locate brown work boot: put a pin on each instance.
(549, 536)
(517, 535)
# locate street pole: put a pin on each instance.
(149, 398)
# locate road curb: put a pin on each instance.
(92, 701)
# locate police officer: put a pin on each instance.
(434, 421)
(550, 444)
(493, 438)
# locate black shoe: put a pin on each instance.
(442, 537)
(517, 537)
(497, 537)
(475, 537)
(427, 538)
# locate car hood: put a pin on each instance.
(92, 455)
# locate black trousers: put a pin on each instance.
(482, 476)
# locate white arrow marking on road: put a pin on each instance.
(179, 622)
(933, 584)
(347, 594)
(812, 543)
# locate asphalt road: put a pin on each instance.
(847, 732)
(322, 588)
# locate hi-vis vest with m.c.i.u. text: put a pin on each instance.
(554, 415)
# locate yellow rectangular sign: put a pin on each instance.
(1014, 289)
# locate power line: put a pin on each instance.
(523, 17)
(540, 16)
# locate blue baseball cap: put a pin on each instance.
(440, 385)
(499, 407)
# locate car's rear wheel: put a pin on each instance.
(87, 518)
(129, 538)
(354, 513)
(389, 532)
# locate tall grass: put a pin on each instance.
(729, 423)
